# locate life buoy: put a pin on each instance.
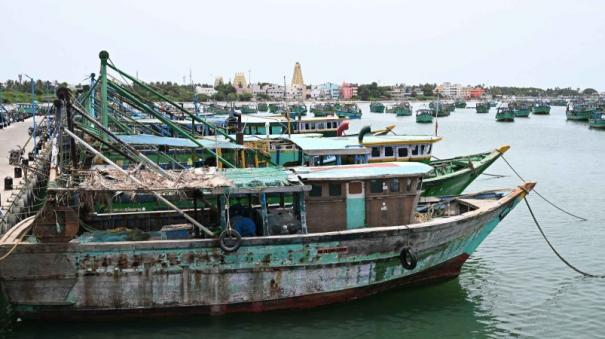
(408, 259)
(230, 240)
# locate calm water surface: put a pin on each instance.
(512, 286)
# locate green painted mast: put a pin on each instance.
(104, 119)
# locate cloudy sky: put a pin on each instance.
(520, 43)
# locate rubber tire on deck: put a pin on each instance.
(227, 237)
(408, 259)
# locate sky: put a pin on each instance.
(504, 42)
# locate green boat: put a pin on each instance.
(522, 109)
(424, 116)
(558, 102)
(597, 120)
(401, 109)
(262, 107)
(298, 109)
(460, 103)
(348, 111)
(505, 114)
(482, 107)
(324, 109)
(276, 108)
(217, 109)
(439, 111)
(541, 107)
(377, 107)
(452, 176)
(443, 108)
(247, 109)
(579, 111)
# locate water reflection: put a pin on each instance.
(439, 310)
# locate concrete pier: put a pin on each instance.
(10, 137)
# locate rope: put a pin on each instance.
(540, 195)
(553, 248)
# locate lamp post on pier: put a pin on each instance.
(33, 108)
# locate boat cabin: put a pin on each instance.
(356, 196)
(400, 147)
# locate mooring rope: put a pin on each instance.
(553, 248)
(540, 195)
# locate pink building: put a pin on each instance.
(348, 91)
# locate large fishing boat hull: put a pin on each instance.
(92, 281)
(505, 117)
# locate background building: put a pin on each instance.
(348, 91)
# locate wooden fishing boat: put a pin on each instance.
(348, 111)
(452, 176)
(401, 109)
(324, 109)
(350, 232)
(505, 114)
(441, 108)
(276, 108)
(460, 103)
(597, 120)
(424, 116)
(521, 109)
(579, 110)
(262, 107)
(541, 107)
(297, 109)
(247, 109)
(482, 107)
(377, 107)
(558, 102)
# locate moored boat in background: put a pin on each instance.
(377, 107)
(400, 109)
(482, 107)
(541, 107)
(597, 120)
(579, 110)
(424, 116)
(505, 114)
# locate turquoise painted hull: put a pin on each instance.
(505, 117)
(136, 278)
(599, 124)
(522, 113)
(424, 119)
(579, 116)
(541, 110)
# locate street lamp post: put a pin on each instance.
(33, 108)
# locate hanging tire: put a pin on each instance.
(408, 259)
(230, 240)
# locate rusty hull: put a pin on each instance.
(87, 281)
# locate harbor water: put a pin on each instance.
(512, 286)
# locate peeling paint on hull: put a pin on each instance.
(83, 281)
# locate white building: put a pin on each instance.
(448, 89)
(209, 91)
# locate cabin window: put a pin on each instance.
(376, 186)
(415, 150)
(388, 151)
(421, 149)
(403, 152)
(375, 152)
(394, 185)
(315, 191)
(408, 185)
(335, 189)
(307, 125)
(429, 150)
(355, 187)
(320, 125)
